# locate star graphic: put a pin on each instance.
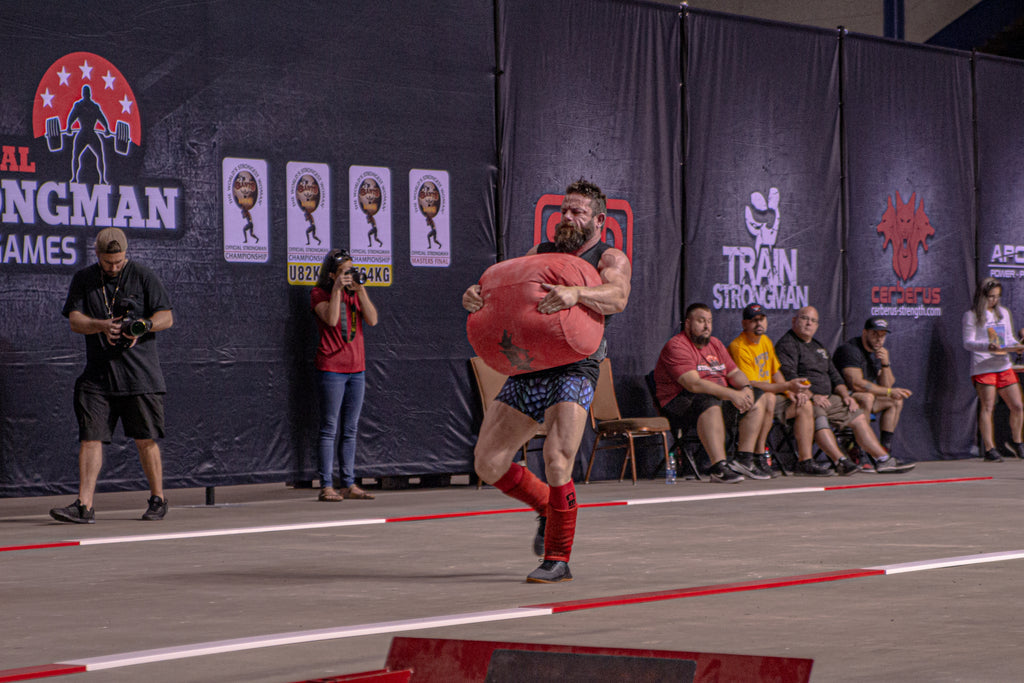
(109, 80)
(126, 105)
(64, 74)
(48, 98)
(86, 70)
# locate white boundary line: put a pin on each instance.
(229, 532)
(716, 496)
(295, 637)
(950, 562)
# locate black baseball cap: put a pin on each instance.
(753, 311)
(877, 323)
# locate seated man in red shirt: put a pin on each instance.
(697, 381)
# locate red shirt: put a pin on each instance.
(680, 355)
(336, 352)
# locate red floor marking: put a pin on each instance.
(674, 594)
(475, 513)
(904, 483)
(38, 546)
(44, 671)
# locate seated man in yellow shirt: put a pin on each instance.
(754, 354)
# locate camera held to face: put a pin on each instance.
(358, 276)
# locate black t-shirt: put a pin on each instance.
(798, 358)
(852, 354)
(110, 369)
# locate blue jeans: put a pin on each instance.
(341, 394)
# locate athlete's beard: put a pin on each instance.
(569, 238)
(700, 341)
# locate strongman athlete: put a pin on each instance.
(560, 396)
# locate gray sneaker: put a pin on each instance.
(810, 468)
(722, 474)
(745, 465)
(156, 510)
(76, 513)
(892, 465)
(550, 571)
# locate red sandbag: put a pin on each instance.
(512, 336)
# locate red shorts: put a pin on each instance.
(999, 379)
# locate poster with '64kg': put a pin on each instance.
(370, 236)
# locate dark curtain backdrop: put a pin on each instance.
(909, 141)
(590, 89)
(762, 172)
(341, 84)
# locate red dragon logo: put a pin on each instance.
(906, 227)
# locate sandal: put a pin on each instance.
(356, 492)
(329, 495)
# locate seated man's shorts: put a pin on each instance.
(998, 379)
(687, 407)
(141, 415)
(532, 396)
(837, 415)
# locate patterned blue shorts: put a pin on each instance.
(532, 396)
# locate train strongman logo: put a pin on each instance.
(86, 110)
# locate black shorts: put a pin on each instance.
(141, 415)
(684, 409)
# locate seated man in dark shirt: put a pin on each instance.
(864, 364)
(801, 355)
(698, 382)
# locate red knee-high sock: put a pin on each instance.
(561, 528)
(523, 485)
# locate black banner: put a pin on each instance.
(762, 172)
(910, 243)
(591, 89)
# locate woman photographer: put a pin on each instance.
(341, 304)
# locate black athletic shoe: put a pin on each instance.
(76, 513)
(744, 465)
(157, 508)
(762, 464)
(845, 467)
(538, 540)
(991, 455)
(810, 468)
(893, 465)
(724, 475)
(550, 571)
(1018, 448)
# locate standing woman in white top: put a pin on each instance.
(989, 336)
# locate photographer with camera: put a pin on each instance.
(341, 304)
(118, 305)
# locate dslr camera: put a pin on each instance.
(131, 323)
(358, 276)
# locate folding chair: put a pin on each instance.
(607, 421)
(488, 384)
(687, 445)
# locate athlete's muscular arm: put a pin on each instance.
(607, 298)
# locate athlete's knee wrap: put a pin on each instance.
(512, 336)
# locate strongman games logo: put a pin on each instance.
(618, 224)
(764, 273)
(88, 133)
(85, 105)
(906, 227)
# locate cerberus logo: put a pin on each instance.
(907, 228)
(84, 103)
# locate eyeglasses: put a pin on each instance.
(808, 319)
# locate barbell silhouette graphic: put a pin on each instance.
(55, 135)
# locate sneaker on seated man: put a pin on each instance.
(754, 354)
(801, 355)
(697, 382)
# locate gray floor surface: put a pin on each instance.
(952, 624)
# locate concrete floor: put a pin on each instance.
(957, 623)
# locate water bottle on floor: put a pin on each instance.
(670, 470)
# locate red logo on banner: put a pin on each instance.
(619, 213)
(85, 104)
(906, 227)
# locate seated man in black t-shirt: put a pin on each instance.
(864, 364)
